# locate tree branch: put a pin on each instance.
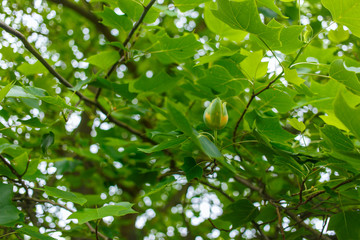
(62, 80)
(127, 40)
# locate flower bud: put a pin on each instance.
(215, 115)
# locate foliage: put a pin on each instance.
(101, 119)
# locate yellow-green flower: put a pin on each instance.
(215, 115)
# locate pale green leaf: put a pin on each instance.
(346, 12)
(104, 60)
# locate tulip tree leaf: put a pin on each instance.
(219, 27)
(337, 139)
(271, 128)
(73, 197)
(164, 145)
(5, 90)
(9, 213)
(348, 78)
(348, 116)
(191, 169)
(89, 214)
(240, 213)
(34, 232)
(161, 82)
(47, 141)
(345, 12)
(345, 225)
(111, 19)
(178, 49)
(233, 14)
(295, 123)
(104, 60)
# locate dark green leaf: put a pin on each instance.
(191, 169)
(47, 140)
(240, 213)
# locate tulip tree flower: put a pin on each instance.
(216, 116)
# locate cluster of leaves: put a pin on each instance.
(101, 115)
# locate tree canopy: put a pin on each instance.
(102, 119)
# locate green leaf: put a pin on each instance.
(240, 213)
(277, 99)
(19, 92)
(345, 12)
(271, 128)
(178, 119)
(251, 66)
(20, 162)
(292, 77)
(185, 5)
(207, 146)
(134, 9)
(221, 52)
(104, 60)
(160, 186)
(339, 35)
(219, 27)
(178, 49)
(191, 169)
(295, 123)
(121, 89)
(46, 141)
(339, 73)
(5, 90)
(31, 69)
(348, 116)
(161, 82)
(337, 139)
(89, 214)
(57, 101)
(346, 225)
(233, 14)
(73, 197)
(34, 232)
(9, 213)
(111, 19)
(271, 5)
(291, 164)
(164, 145)
(33, 122)
(219, 79)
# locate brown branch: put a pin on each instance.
(258, 228)
(69, 85)
(280, 222)
(88, 15)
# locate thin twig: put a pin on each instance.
(127, 40)
(280, 222)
